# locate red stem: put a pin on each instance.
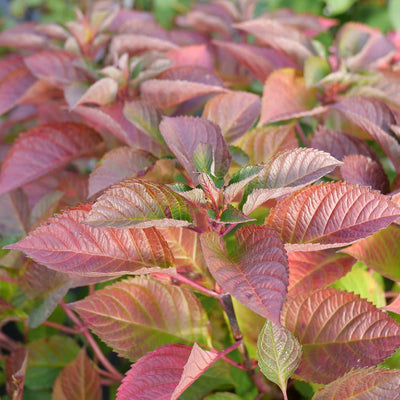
(61, 328)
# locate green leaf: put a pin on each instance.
(335, 7)
(278, 353)
(315, 68)
(394, 12)
(203, 157)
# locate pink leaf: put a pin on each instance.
(55, 67)
(174, 131)
(137, 314)
(164, 93)
(338, 331)
(140, 204)
(394, 306)
(116, 165)
(285, 96)
(313, 270)
(358, 169)
(79, 380)
(379, 252)
(64, 244)
(24, 36)
(261, 143)
(43, 149)
(156, 375)
(348, 213)
(363, 384)
(375, 118)
(235, 113)
(192, 55)
(256, 273)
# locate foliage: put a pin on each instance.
(209, 211)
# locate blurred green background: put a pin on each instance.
(384, 14)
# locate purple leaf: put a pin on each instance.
(43, 149)
(332, 213)
(175, 133)
(358, 169)
(135, 315)
(256, 273)
(116, 165)
(66, 245)
(235, 113)
(14, 213)
(338, 331)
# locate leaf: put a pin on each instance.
(140, 204)
(145, 117)
(174, 131)
(118, 164)
(363, 384)
(66, 245)
(137, 314)
(14, 86)
(79, 380)
(102, 92)
(311, 270)
(192, 55)
(46, 359)
(290, 169)
(44, 149)
(358, 169)
(15, 370)
(375, 118)
(285, 96)
(14, 213)
(255, 273)
(235, 113)
(186, 249)
(340, 144)
(264, 142)
(155, 375)
(54, 66)
(284, 37)
(394, 306)
(278, 353)
(379, 252)
(362, 282)
(338, 332)
(166, 93)
(349, 213)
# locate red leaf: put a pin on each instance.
(55, 67)
(164, 93)
(332, 213)
(358, 169)
(375, 118)
(79, 380)
(379, 252)
(235, 113)
(285, 96)
(192, 55)
(13, 86)
(66, 245)
(43, 149)
(260, 61)
(135, 315)
(261, 143)
(340, 144)
(174, 131)
(363, 384)
(116, 165)
(156, 375)
(256, 273)
(313, 270)
(15, 369)
(338, 331)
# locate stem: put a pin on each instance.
(61, 328)
(302, 135)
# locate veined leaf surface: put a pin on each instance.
(363, 384)
(349, 213)
(138, 314)
(140, 204)
(64, 244)
(338, 331)
(44, 149)
(79, 380)
(278, 353)
(256, 273)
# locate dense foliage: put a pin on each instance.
(205, 212)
